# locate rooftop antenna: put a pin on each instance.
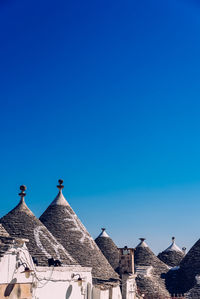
(22, 194)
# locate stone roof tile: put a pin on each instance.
(108, 248)
(64, 224)
(22, 223)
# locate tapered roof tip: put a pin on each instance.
(60, 199)
(173, 246)
(142, 243)
(172, 256)
(103, 233)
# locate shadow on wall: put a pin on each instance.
(69, 291)
(10, 287)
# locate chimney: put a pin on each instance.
(126, 260)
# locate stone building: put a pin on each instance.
(65, 226)
(38, 268)
(43, 246)
(173, 255)
(150, 272)
(122, 261)
(126, 271)
(15, 267)
(20, 278)
(108, 248)
(190, 267)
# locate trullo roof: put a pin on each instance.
(152, 281)
(190, 266)
(22, 223)
(145, 257)
(171, 256)
(108, 248)
(64, 224)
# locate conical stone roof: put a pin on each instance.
(21, 223)
(64, 224)
(172, 256)
(144, 257)
(151, 288)
(194, 293)
(108, 248)
(190, 266)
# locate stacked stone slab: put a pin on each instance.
(63, 223)
(153, 282)
(108, 248)
(3, 232)
(22, 223)
(190, 267)
(172, 256)
(194, 293)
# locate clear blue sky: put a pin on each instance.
(106, 95)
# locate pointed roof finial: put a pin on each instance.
(60, 186)
(22, 194)
(142, 239)
(103, 233)
(184, 250)
(173, 240)
(142, 243)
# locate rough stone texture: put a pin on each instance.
(5, 244)
(190, 266)
(174, 282)
(193, 293)
(156, 281)
(21, 223)
(145, 257)
(171, 258)
(63, 223)
(109, 250)
(151, 288)
(3, 232)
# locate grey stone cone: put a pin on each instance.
(172, 256)
(108, 248)
(64, 224)
(21, 223)
(154, 283)
(190, 266)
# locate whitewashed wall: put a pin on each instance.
(51, 282)
(57, 283)
(113, 293)
(9, 270)
(128, 286)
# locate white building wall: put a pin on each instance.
(57, 283)
(51, 282)
(112, 293)
(9, 265)
(116, 293)
(128, 286)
